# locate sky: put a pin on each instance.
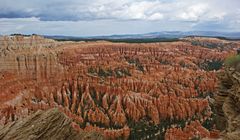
(108, 17)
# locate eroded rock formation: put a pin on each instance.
(50, 124)
(227, 103)
(194, 130)
(121, 90)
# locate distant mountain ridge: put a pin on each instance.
(164, 34)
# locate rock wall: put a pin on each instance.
(32, 57)
(228, 103)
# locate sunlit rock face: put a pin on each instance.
(28, 56)
(125, 91)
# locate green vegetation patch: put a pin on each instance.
(136, 62)
(232, 61)
(104, 73)
(213, 45)
(210, 65)
(127, 40)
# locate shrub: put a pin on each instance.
(232, 61)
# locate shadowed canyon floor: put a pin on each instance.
(120, 90)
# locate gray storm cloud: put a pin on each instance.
(178, 14)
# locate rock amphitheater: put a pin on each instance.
(120, 90)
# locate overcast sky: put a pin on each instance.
(106, 17)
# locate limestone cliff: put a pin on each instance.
(32, 56)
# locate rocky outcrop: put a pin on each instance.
(191, 131)
(228, 102)
(51, 124)
(33, 57)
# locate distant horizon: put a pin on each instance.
(75, 35)
(133, 34)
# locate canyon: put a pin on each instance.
(162, 90)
